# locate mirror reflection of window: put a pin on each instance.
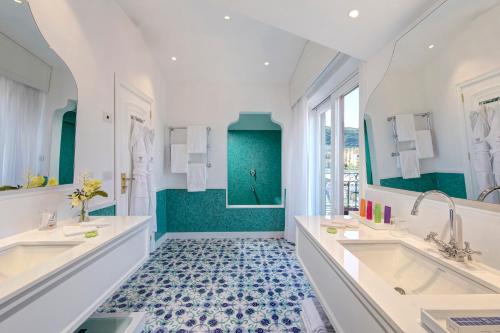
(38, 98)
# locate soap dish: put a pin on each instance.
(435, 320)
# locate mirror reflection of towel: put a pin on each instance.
(405, 127)
(424, 146)
(410, 166)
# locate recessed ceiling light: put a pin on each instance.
(18, 1)
(266, 63)
(173, 58)
(227, 18)
(431, 46)
(354, 13)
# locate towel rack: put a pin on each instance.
(395, 131)
(209, 129)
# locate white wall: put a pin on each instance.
(218, 105)
(96, 39)
(19, 65)
(312, 62)
(481, 227)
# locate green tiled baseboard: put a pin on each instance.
(106, 211)
(451, 183)
(206, 212)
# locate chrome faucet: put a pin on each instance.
(454, 249)
(487, 191)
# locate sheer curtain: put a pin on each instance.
(298, 198)
(21, 112)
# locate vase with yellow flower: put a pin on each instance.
(90, 188)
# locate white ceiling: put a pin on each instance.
(209, 48)
(327, 22)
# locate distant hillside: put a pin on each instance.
(351, 137)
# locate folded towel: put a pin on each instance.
(76, 230)
(410, 166)
(405, 127)
(423, 143)
(197, 177)
(178, 158)
(313, 317)
(197, 139)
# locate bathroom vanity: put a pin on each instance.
(52, 283)
(371, 281)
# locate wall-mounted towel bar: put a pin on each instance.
(395, 131)
(209, 129)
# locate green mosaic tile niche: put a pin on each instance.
(207, 212)
(106, 211)
(259, 150)
(451, 183)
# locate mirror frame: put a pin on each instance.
(365, 187)
(27, 192)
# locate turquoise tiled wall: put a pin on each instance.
(182, 211)
(450, 183)
(106, 211)
(259, 150)
(207, 212)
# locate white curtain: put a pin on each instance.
(21, 112)
(298, 198)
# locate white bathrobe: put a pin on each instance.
(139, 196)
(149, 141)
(485, 148)
(493, 140)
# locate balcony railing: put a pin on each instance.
(351, 191)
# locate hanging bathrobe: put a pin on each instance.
(481, 156)
(139, 196)
(493, 139)
(149, 142)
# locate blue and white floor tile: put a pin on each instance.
(217, 285)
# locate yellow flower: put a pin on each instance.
(91, 185)
(75, 202)
(52, 182)
(35, 181)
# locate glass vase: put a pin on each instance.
(84, 212)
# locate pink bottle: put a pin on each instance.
(369, 210)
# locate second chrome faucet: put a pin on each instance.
(456, 248)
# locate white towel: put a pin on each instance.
(313, 321)
(197, 139)
(423, 143)
(76, 230)
(197, 177)
(408, 161)
(178, 158)
(405, 127)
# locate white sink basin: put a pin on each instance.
(413, 272)
(20, 257)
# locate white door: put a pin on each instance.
(473, 92)
(130, 103)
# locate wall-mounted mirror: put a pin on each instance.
(38, 105)
(254, 161)
(434, 120)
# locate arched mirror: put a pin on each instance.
(38, 105)
(254, 161)
(433, 123)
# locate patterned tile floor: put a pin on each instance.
(224, 285)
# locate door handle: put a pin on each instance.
(124, 180)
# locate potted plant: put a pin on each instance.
(90, 188)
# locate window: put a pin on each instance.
(351, 150)
(338, 117)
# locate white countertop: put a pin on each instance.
(403, 311)
(119, 226)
